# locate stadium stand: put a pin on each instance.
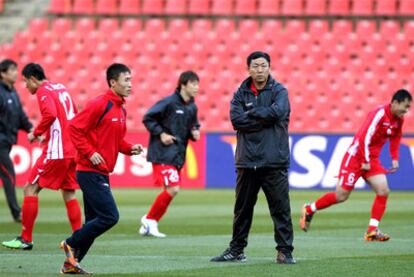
(327, 67)
(1, 6)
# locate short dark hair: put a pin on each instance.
(34, 70)
(256, 55)
(6, 64)
(114, 70)
(400, 96)
(187, 76)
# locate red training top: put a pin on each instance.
(100, 127)
(379, 126)
(57, 109)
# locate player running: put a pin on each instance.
(171, 123)
(362, 160)
(98, 134)
(55, 168)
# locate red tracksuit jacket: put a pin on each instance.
(100, 127)
(379, 126)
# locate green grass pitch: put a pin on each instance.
(198, 225)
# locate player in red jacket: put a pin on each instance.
(55, 168)
(362, 160)
(98, 134)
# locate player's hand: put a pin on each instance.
(365, 166)
(31, 137)
(395, 166)
(137, 149)
(195, 133)
(96, 159)
(167, 139)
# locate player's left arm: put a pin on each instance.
(395, 147)
(195, 129)
(278, 111)
(48, 113)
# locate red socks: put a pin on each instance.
(160, 205)
(377, 211)
(74, 214)
(30, 208)
(326, 200)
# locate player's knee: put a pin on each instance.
(29, 190)
(341, 197)
(385, 191)
(173, 191)
(112, 219)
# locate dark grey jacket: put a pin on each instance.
(261, 123)
(12, 116)
(175, 117)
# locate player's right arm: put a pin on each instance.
(48, 112)
(366, 133)
(240, 118)
(153, 118)
(81, 125)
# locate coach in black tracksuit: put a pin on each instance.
(12, 118)
(260, 114)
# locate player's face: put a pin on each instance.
(30, 85)
(191, 88)
(400, 108)
(10, 76)
(259, 70)
(123, 85)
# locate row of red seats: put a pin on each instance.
(232, 7)
(1, 6)
(247, 27)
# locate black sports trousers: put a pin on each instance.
(275, 185)
(8, 178)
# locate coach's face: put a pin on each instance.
(191, 88)
(400, 108)
(123, 85)
(259, 70)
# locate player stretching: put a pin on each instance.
(55, 168)
(98, 134)
(171, 123)
(362, 160)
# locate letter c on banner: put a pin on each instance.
(21, 159)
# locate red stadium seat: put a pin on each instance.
(248, 27)
(59, 6)
(84, 26)
(271, 28)
(152, 6)
(176, 7)
(389, 29)
(106, 6)
(224, 27)
(406, 7)
(222, 7)
(178, 26)
(1, 6)
(386, 7)
(201, 7)
(38, 25)
(131, 26)
(245, 7)
(317, 28)
(363, 7)
(129, 7)
(83, 7)
(315, 7)
(292, 7)
(108, 26)
(201, 26)
(365, 28)
(339, 7)
(155, 26)
(61, 26)
(268, 7)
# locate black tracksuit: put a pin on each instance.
(12, 118)
(173, 116)
(262, 160)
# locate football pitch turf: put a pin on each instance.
(198, 225)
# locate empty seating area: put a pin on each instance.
(335, 72)
(235, 7)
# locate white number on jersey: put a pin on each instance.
(66, 100)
